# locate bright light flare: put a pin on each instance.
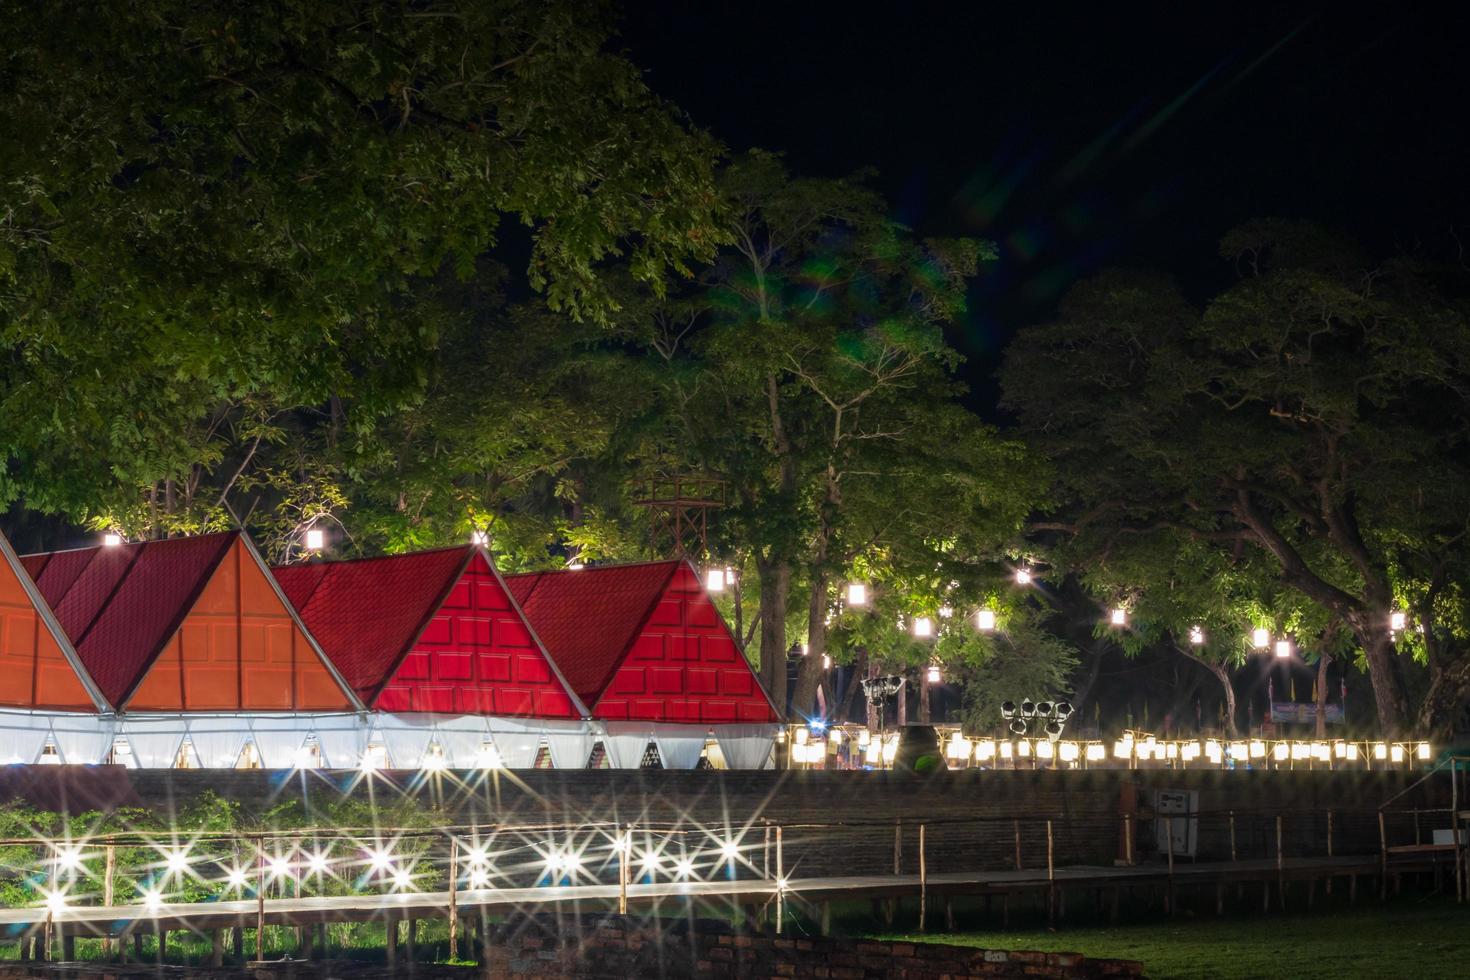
(1260, 637)
(56, 902)
(153, 899)
(985, 620)
(729, 850)
(1196, 636)
(684, 868)
(1119, 616)
(857, 594)
(316, 539)
(923, 627)
(177, 861)
(1023, 576)
(714, 580)
(380, 859)
(317, 863)
(1283, 648)
(402, 880)
(111, 539)
(69, 858)
(1397, 621)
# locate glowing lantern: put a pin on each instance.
(985, 749)
(1396, 621)
(1339, 750)
(112, 539)
(985, 620)
(1283, 648)
(1120, 616)
(1023, 748)
(1281, 751)
(1196, 636)
(1300, 751)
(1122, 748)
(1352, 752)
(479, 538)
(1258, 749)
(1239, 750)
(1068, 752)
(1396, 754)
(1260, 637)
(1007, 750)
(1096, 752)
(316, 539)
(923, 627)
(714, 580)
(959, 747)
(826, 662)
(932, 674)
(1423, 751)
(1023, 576)
(857, 594)
(1380, 751)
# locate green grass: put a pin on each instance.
(1406, 938)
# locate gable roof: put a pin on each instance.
(57, 679)
(588, 618)
(120, 604)
(367, 612)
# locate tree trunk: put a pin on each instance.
(1388, 688)
(854, 687)
(924, 715)
(1449, 690)
(803, 701)
(775, 590)
(875, 711)
(1223, 676)
(1321, 694)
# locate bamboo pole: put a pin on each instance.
(1127, 840)
(259, 899)
(923, 882)
(625, 847)
(780, 883)
(454, 898)
(109, 866)
(1051, 882)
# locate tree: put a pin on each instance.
(1287, 426)
(221, 221)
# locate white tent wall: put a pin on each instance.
(517, 740)
(626, 742)
(218, 742)
(746, 746)
(462, 737)
(407, 738)
(570, 743)
(154, 741)
(82, 740)
(680, 745)
(22, 736)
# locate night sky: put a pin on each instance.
(1089, 136)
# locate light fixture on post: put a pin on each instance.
(923, 627)
(1283, 648)
(985, 620)
(1119, 616)
(1260, 638)
(857, 594)
(1196, 636)
(315, 539)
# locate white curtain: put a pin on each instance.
(278, 738)
(83, 740)
(342, 748)
(570, 744)
(516, 743)
(407, 738)
(218, 741)
(155, 743)
(626, 741)
(462, 738)
(746, 746)
(680, 745)
(22, 737)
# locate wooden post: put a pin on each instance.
(1169, 893)
(923, 882)
(453, 898)
(216, 948)
(780, 883)
(1016, 826)
(897, 845)
(259, 899)
(109, 866)
(766, 854)
(1382, 857)
(1329, 850)
(625, 847)
(1232, 836)
(390, 940)
(1051, 882)
(1280, 863)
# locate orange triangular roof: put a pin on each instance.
(39, 669)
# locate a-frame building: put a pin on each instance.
(39, 670)
(643, 642)
(433, 631)
(186, 625)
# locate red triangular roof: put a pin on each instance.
(429, 631)
(643, 641)
(38, 667)
(126, 610)
(588, 617)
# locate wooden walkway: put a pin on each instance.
(755, 892)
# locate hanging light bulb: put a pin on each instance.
(1023, 576)
(985, 620)
(1283, 648)
(714, 580)
(1120, 616)
(857, 594)
(1260, 637)
(933, 674)
(945, 612)
(923, 626)
(1196, 636)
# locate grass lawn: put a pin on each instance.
(1406, 938)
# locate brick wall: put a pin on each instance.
(617, 948)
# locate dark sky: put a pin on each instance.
(1082, 136)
